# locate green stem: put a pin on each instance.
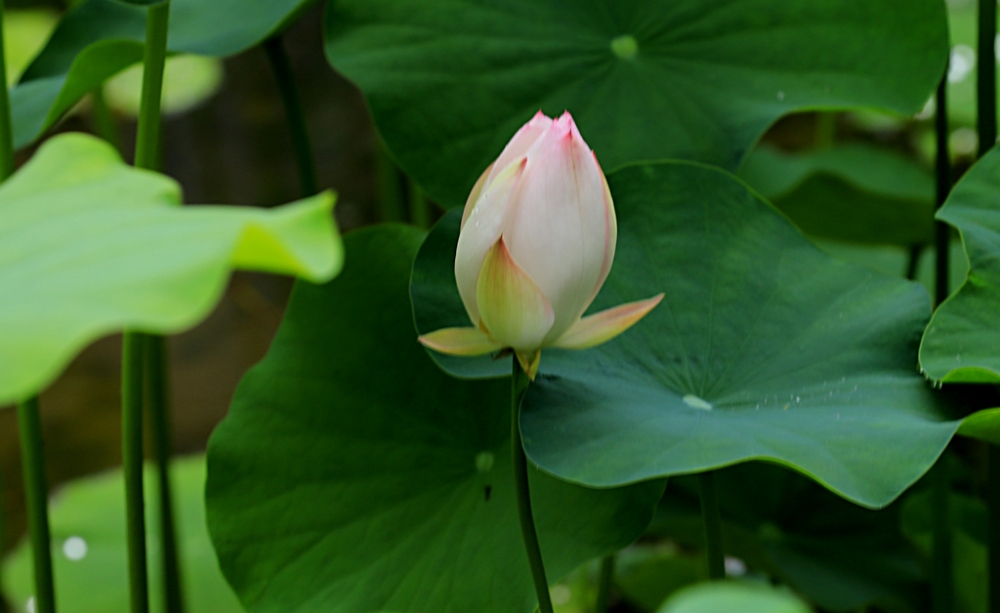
(519, 385)
(942, 581)
(390, 193)
(6, 126)
(605, 583)
(993, 536)
(941, 561)
(27, 412)
(420, 211)
(103, 117)
(147, 141)
(37, 491)
(942, 171)
(157, 395)
(986, 76)
(132, 456)
(147, 155)
(986, 127)
(274, 47)
(713, 526)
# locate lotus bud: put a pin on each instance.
(537, 241)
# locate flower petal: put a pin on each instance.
(477, 190)
(482, 230)
(560, 227)
(459, 341)
(604, 326)
(512, 307)
(520, 143)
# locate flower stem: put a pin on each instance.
(36, 489)
(519, 385)
(274, 47)
(713, 526)
(147, 156)
(605, 583)
(157, 387)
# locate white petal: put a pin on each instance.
(481, 231)
(521, 143)
(460, 341)
(561, 226)
(604, 326)
(513, 309)
(477, 191)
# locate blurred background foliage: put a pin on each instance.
(859, 183)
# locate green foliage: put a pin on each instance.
(855, 193)
(88, 547)
(100, 38)
(352, 475)
(188, 80)
(968, 529)
(834, 554)
(764, 348)
(89, 246)
(647, 574)
(448, 82)
(960, 344)
(25, 33)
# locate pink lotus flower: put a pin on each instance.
(537, 241)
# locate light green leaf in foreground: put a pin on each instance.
(90, 246)
(353, 476)
(719, 597)
(89, 550)
(450, 81)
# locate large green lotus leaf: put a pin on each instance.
(854, 192)
(763, 348)
(719, 597)
(450, 81)
(90, 245)
(962, 341)
(103, 37)
(836, 555)
(351, 475)
(89, 547)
